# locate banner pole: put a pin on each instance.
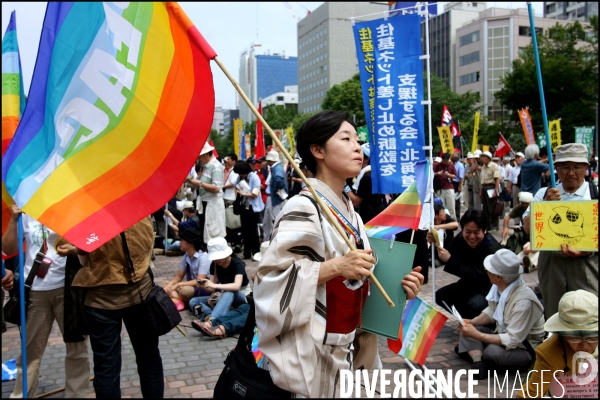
(430, 145)
(166, 218)
(332, 220)
(541, 90)
(22, 304)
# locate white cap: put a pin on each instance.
(207, 147)
(519, 154)
(487, 154)
(525, 197)
(218, 249)
(477, 153)
(504, 263)
(273, 156)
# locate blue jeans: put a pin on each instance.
(235, 320)
(105, 336)
(172, 246)
(227, 300)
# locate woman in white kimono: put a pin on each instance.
(310, 288)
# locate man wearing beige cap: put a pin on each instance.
(474, 173)
(575, 329)
(518, 316)
(490, 188)
(210, 204)
(569, 269)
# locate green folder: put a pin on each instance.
(392, 265)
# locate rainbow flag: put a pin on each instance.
(420, 325)
(404, 213)
(121, 102)
(13, 101)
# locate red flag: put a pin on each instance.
(215, 153)
(259, 142)
(447, 120)
(503, 147)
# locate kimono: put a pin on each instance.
(291, 307)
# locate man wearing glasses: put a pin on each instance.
(566, 270)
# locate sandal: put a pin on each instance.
(215, 332)
(199, 325)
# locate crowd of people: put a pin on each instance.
(309, 290)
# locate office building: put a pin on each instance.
(486, 48)
(570, 10)
(262, 75)
(228, 117)
(288, 98)
(442, 37)
(217, 124)
(326, 49)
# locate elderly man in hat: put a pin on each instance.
(210, 204)
(575, 329)
(517, 313)
(277, 189)
(569, 269)
(474, 173)
(490, 188)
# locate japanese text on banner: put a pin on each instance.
(527, 127)
(392, 82)
(475, 129)
(446, 139)
(555, 140)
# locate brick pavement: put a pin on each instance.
(192, 364)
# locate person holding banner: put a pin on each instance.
(310, 289)
(46, 305)
(569, 269)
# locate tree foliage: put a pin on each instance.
(346, 96)
(569, 64)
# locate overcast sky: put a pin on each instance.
(229, 27)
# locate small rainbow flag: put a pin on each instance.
(121, 102)
(404, 213)
(420, 325)
(13, 101)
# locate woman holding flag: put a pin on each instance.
(310, 289)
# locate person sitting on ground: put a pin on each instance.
(517, 313)
(444, 224)
(191, 221)
(465, 259)
(233, 282)
(513, 235)
(194, 263)
(575, 329)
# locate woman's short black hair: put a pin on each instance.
(476, 216)
(317, 130)
(437, 208)
(241, 167)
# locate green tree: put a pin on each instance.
(223, 144)
(569, 64)
(346, 96)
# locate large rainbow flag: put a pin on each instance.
(13, 100)
(404, 213)
(420, 325)
(121, 102)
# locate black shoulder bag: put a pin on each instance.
(162, 313)
(241, 377)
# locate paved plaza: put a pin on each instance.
(192, 364)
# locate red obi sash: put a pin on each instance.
(344, 306)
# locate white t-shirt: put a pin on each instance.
(229, 193)
(32, 232)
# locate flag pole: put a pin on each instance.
(22, 304)
(324, 208)
(432, 212)
(541, 90)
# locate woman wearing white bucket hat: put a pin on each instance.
(575, 330)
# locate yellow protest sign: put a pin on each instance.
(485, 148)
(555, 140)
(564, 222)
(238, 129)
(475, 129)
(290, 135)
(446, 139)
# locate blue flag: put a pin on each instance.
(391, 74)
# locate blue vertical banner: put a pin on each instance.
(391, 75)
(403, 8)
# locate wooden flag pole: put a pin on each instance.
(327, 212)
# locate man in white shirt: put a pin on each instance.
(569, 269)
(229, 179)
(513, 179)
